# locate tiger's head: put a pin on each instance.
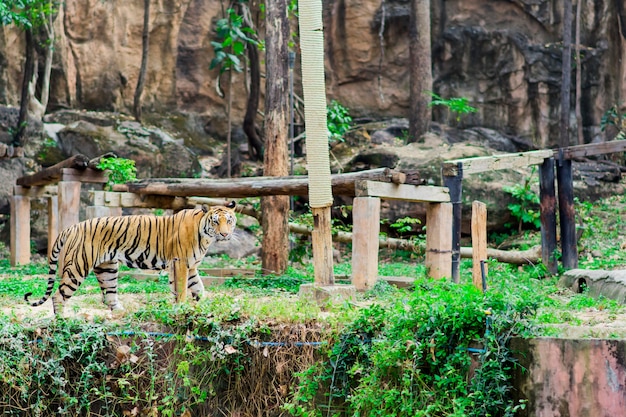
(221, 221)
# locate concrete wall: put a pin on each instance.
(571, 377)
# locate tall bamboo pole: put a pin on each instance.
(314, 88)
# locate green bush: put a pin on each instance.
(398, 360)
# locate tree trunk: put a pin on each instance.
(276, 208)
(566, 74)
(421, 79)
(255, 144)
(579, 117)
(145, 47)
(20, 129)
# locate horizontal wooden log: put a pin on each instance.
(53, 174)
(87, 175)
(590, 149)
(530, 256)
(36, 192)
(420, 193)
(342, 184)
(495, 162)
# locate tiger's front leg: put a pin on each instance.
(178, 277)
(107, 274)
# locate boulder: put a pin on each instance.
(156, 154)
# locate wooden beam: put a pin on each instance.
(36, 192)
(419, 193)
(87, 175)
(582, 151)
(321, 238)
(69, 203)
(342, 184)
(53, 221)
(479, 242)
(365, 230)
(439, 240)
(53, 174)
(547, 211)
(20, 230)
(495, 162)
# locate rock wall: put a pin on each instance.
(504, 55)
(570, 377)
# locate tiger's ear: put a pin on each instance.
(231, 205)
(205, 208)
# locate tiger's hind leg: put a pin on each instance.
(70, 281)
(107, 274)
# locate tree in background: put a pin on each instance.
(234, 35)
(421, 78)
(145, 47)
(275, 209)
(35, 18)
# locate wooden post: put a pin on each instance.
(53, 221)
(439, 239)
(321, 237)
(20, 228)
(365, 231)
(479, 242)
(69, 203)
(455, 185)
(547, 208)
(567, 213)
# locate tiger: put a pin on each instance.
(140, 241)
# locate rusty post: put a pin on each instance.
(547, 208)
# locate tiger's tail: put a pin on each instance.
(53, 260)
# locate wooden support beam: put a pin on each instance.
(87, 175)
(342, 184)
(479, 242)
(439, 240)
(547, 207)
(53, 174)
(455, 187)
(590, 149)
(567, 214)
(496, 162)
(69, 203)
(53, 221)
(418, 193)
(321, 237)
(36, 192)
(365, 230)
(20, 230)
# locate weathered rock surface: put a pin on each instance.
(504, 56)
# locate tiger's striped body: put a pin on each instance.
(139, 241)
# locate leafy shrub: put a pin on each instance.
(397, 360)
(121, 170)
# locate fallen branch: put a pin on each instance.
(530, 256)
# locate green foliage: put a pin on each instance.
(404, 225)
(121, 170)
(338, 120)
(456, 105)
(232, 38)
(397, 359)
(613, 117)
(526, 207)
(26, 14)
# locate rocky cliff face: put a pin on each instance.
(505, 56)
